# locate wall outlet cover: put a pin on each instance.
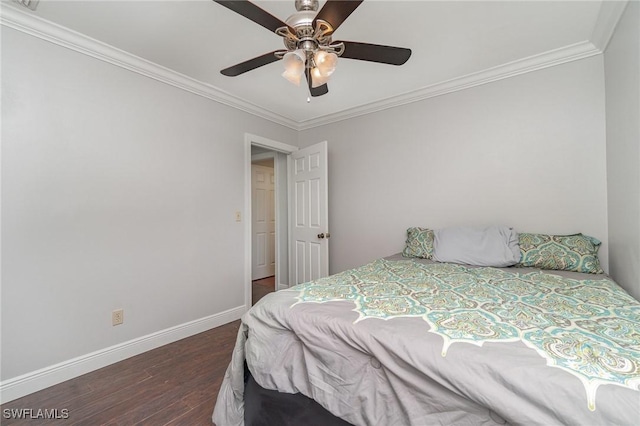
(117, 317)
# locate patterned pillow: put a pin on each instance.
(419, 243)
(578, 253)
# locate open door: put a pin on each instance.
(302, 249)
(308, 214)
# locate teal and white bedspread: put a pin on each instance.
(405, 342)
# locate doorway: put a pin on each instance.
(259, 149)
(301, 212)
(263, 223)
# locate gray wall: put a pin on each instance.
(622, 77)
(117, 192)
(527, 152)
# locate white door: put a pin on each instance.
(308, 214)
(263, 223)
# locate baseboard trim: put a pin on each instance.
(34, 381)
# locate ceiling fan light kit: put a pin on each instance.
(310, 49)
(294, 65)
(325, 62)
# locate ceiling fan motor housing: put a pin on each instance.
(306, 5)
(302, 22)
(307, 37)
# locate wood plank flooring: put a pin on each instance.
(176, 384)
(260, 288)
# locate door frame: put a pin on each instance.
(276, 146)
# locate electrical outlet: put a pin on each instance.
(117, 317)
(238, 216)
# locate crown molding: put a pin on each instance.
(533, 63)
(65, 37)
(608, 17)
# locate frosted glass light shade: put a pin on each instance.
(294, 66)
(325, 62)
(293, 77)
(317, 79)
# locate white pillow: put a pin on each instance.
(492, 246)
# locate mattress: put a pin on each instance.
(412, 342)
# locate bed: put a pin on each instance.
(410, 341)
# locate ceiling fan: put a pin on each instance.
(310, 49)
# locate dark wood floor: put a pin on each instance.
(260, 288)
(176, 384)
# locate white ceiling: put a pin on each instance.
(454, 43)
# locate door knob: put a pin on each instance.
(321, 236)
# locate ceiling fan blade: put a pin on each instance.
(336, 11)
(315, 91)
(251, 64)
(319, 91)
(253, 12)
(375, 53)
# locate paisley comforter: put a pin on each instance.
(405, 342)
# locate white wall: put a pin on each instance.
(622, 77)
(118, 191)
(527, 152)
